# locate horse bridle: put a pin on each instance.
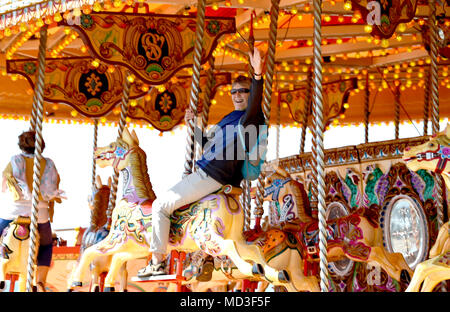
(436, 154)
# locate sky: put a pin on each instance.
(70, 147)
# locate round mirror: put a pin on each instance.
(342, 267)
(406, 230)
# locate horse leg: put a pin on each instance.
(118, 264)
(86, 259)
(253, 252)
(2, 273)
(419, 275)
(379, 256)
(229, 249)
(437, 275)
(22, 282)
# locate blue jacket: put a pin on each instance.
(228, 169)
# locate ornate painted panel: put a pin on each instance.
(154, 47)
(335, 95)
(384, 190)
(164, 108)
(90, 89)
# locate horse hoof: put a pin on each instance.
(257, 269)
(108, 289)
(77, 284)
(405, 277)
(2, 284)
(97, 288)
(70, 290)
(283, 276)
(125, 290)
(34, 289)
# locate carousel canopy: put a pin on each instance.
(90, 42)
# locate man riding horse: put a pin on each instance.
(214, 169)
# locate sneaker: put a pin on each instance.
(152, 270)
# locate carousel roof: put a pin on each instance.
(356, 57)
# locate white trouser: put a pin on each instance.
(190, 189)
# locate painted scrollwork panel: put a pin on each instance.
(335, 95)
(90, 89)
(154, 47)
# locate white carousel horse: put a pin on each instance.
(433, 155)
(214, 224)
(97, 231)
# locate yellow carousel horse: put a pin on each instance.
(97, 231)
(14, 251)
(434, 156)
(296, 238)
(213, 224)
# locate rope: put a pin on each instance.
(267, 95)
(39, 115)
(195, 86)
(306, 111)
(122, 124)
(94, 143)
(397, 113)
(319, 126)
(366, 110)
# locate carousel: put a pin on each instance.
(371, 217)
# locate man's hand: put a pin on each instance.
(256, 62)
(188, 115)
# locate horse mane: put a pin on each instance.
(138, 162)
(443, 139)
(100, 206)
(300, 197)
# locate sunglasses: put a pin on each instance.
(241, 90)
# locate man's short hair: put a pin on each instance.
(241, 79)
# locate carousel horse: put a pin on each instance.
(97, 231)
(433, 156)
(296, 238)
(213, 224)
(14, 251)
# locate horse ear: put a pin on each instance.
(109, 182)
(135, 138)
(126, 136)
(98, 181)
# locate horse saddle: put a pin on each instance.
(181, 217)
(21, 227)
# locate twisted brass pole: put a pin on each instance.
(319, 126)
(366, 110)
(397, 112)
(122, 123)
(426, 103)
(434, 90)
(37, 126)
(267, 97)
(94, 147)
(195, 86)
(306, 111)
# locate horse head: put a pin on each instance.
(117, 154)
(98, 202)
(288, 195)
(126, 156)
(433, 155)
